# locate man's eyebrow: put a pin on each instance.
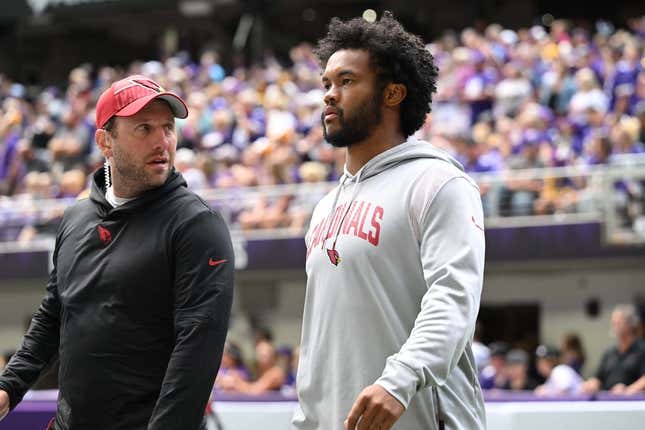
(340, 74)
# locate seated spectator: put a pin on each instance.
(560, 378)
(480, 351)
(517, 371)
(492, 375)
(622, 367)
(572, 352)
(285, 360)
(270, 376)
(232, 364)
(4, 359)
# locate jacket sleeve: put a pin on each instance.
(452, 257)
(203, 294)
(39, 347)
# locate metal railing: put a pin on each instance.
(609, 194)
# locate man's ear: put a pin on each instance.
(394, 94)
(104, 142)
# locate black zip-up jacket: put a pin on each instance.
(136, 309)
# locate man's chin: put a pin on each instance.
(337, 140)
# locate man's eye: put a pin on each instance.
(347, 81)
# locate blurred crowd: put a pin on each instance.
(556, 371)
(549, 95)
(546, 371)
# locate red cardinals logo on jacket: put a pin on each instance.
(105, 235)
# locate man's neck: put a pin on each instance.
(625, 343)
(379, 141)
(123, 190)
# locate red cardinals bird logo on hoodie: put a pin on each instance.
(105, 235)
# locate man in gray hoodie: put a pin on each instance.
(395, 254)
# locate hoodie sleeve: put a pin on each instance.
(452, 255)
(203, 294)
(39, 347)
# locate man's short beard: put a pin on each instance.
(357, 127)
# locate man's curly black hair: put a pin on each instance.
(396, 55)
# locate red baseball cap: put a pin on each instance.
(129, 95)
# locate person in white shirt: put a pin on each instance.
(395, 253)
(561, 379)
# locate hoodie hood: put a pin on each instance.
(409, 150)
(97, 193)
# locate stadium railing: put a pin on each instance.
(612, 195)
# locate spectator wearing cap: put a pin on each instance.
(622, 367)
(493, 375)
(517, 371)
(560, 378)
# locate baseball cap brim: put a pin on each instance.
(177, 105)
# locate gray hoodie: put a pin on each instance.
(395, 260)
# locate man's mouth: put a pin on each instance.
(158, 161)
(329, 114)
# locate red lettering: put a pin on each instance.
(361, 233)
(314, 236)
(375, 231)
(337, 214)
(347, 218)
(355, 219)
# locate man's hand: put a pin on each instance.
(4, 404)
(374, 409)
(590, 386)
(619, 389)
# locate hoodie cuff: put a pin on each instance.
(399, 380)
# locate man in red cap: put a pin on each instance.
(138, 301)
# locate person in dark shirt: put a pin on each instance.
(138, 302)
(622, 367)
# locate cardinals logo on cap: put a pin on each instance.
(334, 257)
(105, 235)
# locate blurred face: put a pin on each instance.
(352, 104)
(498, 363)
(142, 151)
(619, 325)
(515, 370)
(265, 355)
(544, 367)
(227, 361)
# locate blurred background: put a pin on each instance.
(542, 101)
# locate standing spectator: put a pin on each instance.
(572, 352)
(622, 367)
